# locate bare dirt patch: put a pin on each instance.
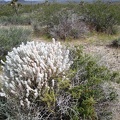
(110, 57)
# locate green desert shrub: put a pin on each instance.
(12, 37)
(102, 16)
(15, 20)
(87, 81)
(41, 17)
(5, 10)
(43, 14)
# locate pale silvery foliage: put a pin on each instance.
(69, 25)
(33, 67)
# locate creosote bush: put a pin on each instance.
(102, 16)
(87, 85)
(15, 20)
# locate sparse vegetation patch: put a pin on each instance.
(12, 37)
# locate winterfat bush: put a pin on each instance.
(30, 69)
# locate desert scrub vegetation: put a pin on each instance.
(23, 19)
(65, 20)
(23, 16)
(49, 81)
(67, 24)
(12, 37)
(102, 16)
(5, 10)
(59, 21)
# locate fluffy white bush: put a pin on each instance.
(31, 68)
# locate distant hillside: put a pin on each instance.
(2, 1)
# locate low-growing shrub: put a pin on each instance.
(102, 16)
(15, 20)
(5, 10)
(41, 17)
(88, 83)
(12, 37)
